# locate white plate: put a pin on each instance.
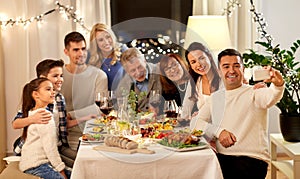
(91, 130)
(201, 145)
(93, 123)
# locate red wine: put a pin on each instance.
(171, 114)
(106, 110)
(98, 103)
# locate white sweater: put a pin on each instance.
(188, 104)
(40, 146)
(79, 91)
(245, 115)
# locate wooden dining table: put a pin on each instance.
(163, 163)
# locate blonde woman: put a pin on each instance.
(105, 53)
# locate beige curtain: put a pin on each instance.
(2, 110)
(97, 11)
(242, 30)
(24, 48)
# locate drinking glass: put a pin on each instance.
(122, 102)
(104, 101)
(98, 99)
(183, 121)
(154, 98)
(170, 109)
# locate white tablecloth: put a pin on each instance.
(91, 164)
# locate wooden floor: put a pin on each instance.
(279, 174)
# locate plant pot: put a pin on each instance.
(290, 127)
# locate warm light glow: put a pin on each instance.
(210, 30)
(66, 11)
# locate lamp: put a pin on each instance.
(209, 30)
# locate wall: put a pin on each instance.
(281, 17)
(282, 25)
(2, 111)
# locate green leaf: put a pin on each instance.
(290, 53)
(264, 44)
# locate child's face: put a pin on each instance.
(45, 94)
(55, 75)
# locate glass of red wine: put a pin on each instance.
(104, 101)
(171, 111)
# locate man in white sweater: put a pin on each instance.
(81, 83)
(236, 117)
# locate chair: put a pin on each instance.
(12, 171)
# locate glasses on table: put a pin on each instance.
(171, 111)
(104, 101)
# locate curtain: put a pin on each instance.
(23, 47)
(242, 30)
(2, 110)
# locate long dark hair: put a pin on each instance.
(215, 83)
(28, 102)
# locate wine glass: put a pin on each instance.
(183, 121)
(104, 101)
(154, 98)
(122, 102)
(171, 111)
(98, 99)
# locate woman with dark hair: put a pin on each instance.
(204, 73)
(174, 77)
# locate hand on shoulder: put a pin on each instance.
(41, 116)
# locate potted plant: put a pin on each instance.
(283, 60)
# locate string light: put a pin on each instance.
(66, 11)
(153, 48)
(161, 45)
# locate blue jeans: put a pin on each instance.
(46, 171)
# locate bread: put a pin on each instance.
(121, 142)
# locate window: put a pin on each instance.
(155, 26)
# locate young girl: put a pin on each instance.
(40, 154)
